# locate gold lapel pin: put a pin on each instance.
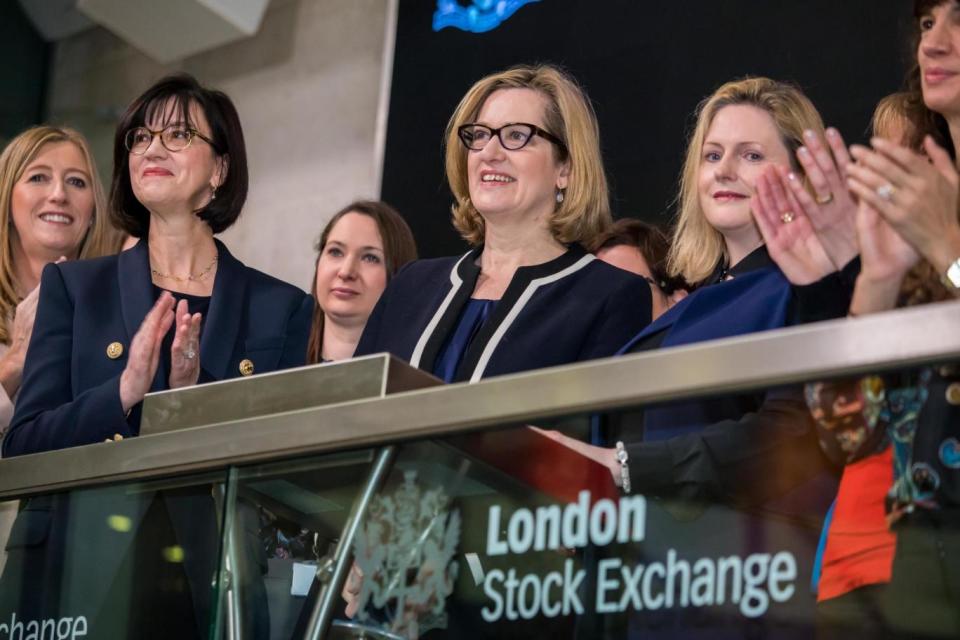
(246, 367)
(114, 350)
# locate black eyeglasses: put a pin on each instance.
(174, 137)
(513, 136)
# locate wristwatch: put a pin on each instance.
(951, 279)
(622, 458)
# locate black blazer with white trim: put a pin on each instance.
(570, 309)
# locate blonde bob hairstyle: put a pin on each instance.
(585, 210)
(697, 247)
(100, 239)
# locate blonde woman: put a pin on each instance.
(53, 205)
(717, 449)
(523, 162)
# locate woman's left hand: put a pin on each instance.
(917, 196)
(606, 457)
(833, 211)
(185, 350)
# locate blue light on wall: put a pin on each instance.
(480, 16)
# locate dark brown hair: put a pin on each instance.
(182, 90)
(399, 248)
(924, 121)
(652, 244)
(922, 285)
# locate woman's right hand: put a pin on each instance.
(885, 258)
(145, 349)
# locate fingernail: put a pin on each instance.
(877, 142)
(833, 133)
(809, 134)
(803, 152)
(792, 176)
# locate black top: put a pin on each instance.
(195, 304)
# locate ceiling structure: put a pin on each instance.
(166, 31)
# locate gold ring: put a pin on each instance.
(827, 199)
(786, 217)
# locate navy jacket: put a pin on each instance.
(71, 389)
(570, 309)
(70, 396)
(718, 447)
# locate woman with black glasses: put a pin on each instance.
(523, 162)
(175, 310)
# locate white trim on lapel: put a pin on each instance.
(518, 307)
(456, 282)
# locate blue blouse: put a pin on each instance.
(474, 314)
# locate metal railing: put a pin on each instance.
(902, 338)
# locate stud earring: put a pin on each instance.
(213, 193)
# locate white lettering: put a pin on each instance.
(651, 601)
(603, 522)
(495, 546)
(571, 601)
(530, 582)
(605, 584)
(520, 531)
(782, 567)
(551, 611)
(492, 615)
(548, 528)
(575, 522)
(633, 519)
(702, 587)
(675, 567)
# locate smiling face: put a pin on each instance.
(52, 203)
(938, 55)
(351, 270)
(164, 180)
(741, 142)
(520, 183)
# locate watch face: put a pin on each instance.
(952, 276)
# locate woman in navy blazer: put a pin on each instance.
(523, 162)
(718, 448)
(105, 336)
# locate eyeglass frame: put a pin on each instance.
(535, 131)
(153, 134)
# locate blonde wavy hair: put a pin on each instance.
(101, 238)
(697, 247)
(585, 210)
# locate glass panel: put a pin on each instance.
(518, 532)
(135, 560)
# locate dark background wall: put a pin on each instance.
(645, 64)
(23, 74)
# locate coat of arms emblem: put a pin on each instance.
(405, 550)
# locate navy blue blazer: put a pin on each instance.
(70, 396)
(71, 389)
(570, 309)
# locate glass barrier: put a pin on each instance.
(134, 560)
(522, 532)
(474, 511)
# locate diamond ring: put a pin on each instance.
(786, 217)
(190, 355)
(886, 191)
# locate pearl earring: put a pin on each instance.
(559, 196)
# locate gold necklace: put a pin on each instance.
(190, 277)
